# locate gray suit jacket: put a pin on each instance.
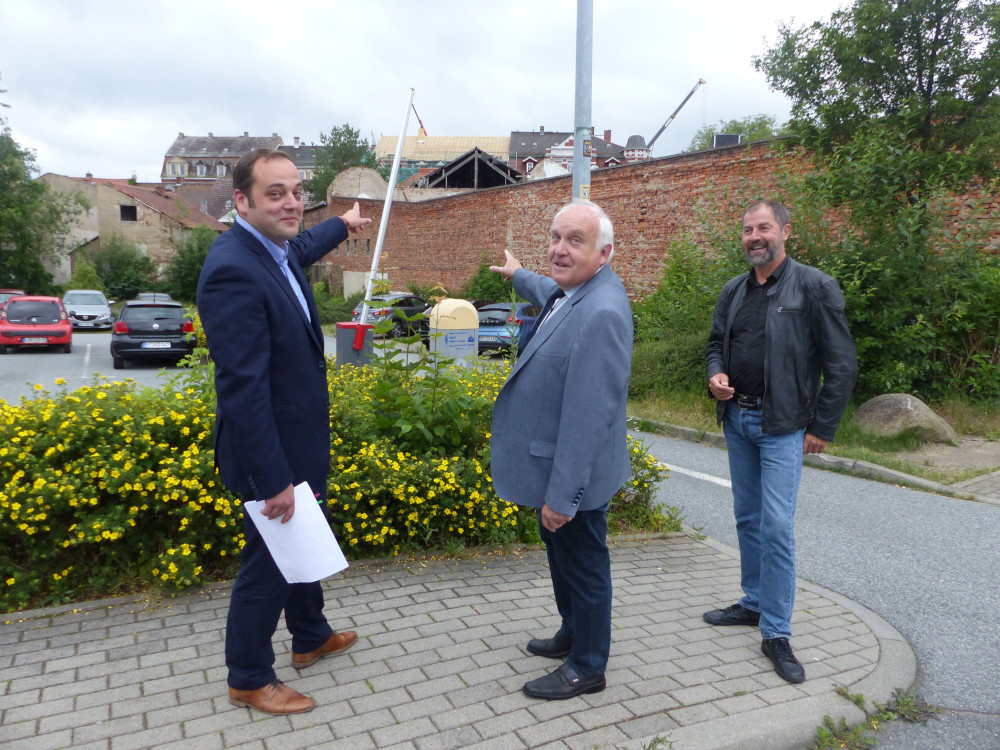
(559, 435)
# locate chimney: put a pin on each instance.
(246, 134)
(296, 141)
(607, 136)
(541, 128)
(180, 135)
(210, 135)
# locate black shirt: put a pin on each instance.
(746, 338)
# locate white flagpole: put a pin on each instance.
(385, 219)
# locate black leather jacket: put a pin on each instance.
(806, 335)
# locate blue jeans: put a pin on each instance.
(765, 469)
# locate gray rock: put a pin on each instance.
(892, 413)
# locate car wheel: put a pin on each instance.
(5, 350)
(68, 348)
(398, 329)
(117, 362)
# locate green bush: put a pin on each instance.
(673, 323)
(111, 488)
(84, 277)
(181, 274)
(486, 284)
(123, 267)
(334, 308)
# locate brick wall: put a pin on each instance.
(442, 241)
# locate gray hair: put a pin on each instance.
(781, 214)
(605, 230)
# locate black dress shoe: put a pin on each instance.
(563, 683)
(779, 651)
(550, 648)
(735, 614)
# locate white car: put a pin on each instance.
(88, 308)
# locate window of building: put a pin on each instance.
(172, 169)
(220, 170)
(129, 213)
(201, 170)
(368, 246)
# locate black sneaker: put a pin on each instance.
(735, 614)
(779, 651)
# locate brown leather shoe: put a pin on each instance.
(336, 644)
(276, 698)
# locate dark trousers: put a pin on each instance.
(259, 595)
(580, 564)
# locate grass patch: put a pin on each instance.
(696, 410)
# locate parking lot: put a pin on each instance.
(22, 369)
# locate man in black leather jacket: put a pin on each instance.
(781, 364)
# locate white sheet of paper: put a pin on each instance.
(305, 548)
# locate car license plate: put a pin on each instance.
(35, 340)
(488, 338)
(155, 344)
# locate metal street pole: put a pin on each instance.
(582, 143)
(385, 218)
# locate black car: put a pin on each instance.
(151, 330)
(393, 305)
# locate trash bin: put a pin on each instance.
(354, 344)
(454, 330)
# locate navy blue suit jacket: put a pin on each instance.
(272, 423)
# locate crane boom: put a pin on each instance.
(419, 120)
(670, 119)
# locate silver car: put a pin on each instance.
(88, 308)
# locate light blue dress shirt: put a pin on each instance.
(280, 255)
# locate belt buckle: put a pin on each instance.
(747, 402)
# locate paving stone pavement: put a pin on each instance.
(441, 660)
(985, 487)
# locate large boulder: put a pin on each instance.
(892, 413)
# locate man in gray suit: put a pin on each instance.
(559, 437)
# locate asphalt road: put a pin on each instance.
(23, 368)
(928, 564)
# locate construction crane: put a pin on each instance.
(419, 120)
(701, 81)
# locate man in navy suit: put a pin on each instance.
(272, 428)
(559, 436)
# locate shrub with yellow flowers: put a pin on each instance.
(108, 488)
(112, 487)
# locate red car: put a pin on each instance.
(35, 321)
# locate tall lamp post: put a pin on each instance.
(582, 135)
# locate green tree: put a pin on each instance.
(34, 220)
(84, 276)
(898, 101)
(182, 272)
(123, 267)
(927, 70)
(341, 149)
(753, 128)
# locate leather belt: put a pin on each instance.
(749, 402)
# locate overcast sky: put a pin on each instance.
(105, 86)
